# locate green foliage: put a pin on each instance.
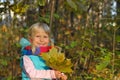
(71, 45)
(3, 62)
(46, 18)
(72, 4)
(41, 2)
(9, 57)
(19, 8)
(118, 38)
(104, 62)
(57, 61)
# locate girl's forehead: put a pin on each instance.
(40, 30)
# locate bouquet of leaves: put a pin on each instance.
(57, 61)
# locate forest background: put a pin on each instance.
(87, 31)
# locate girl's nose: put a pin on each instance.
(41, 39)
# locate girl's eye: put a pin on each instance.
(37, 36)
(45, 36)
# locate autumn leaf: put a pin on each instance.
(58, 61)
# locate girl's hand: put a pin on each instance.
(63, 77)
(60, 75)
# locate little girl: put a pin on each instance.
(33, 66)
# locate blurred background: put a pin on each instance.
(88, 31)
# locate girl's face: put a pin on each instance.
(40, 38)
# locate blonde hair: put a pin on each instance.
(34, 28)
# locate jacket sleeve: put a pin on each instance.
(34, 73)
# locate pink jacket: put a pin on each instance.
(35, 74)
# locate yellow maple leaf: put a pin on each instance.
(58, 61)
